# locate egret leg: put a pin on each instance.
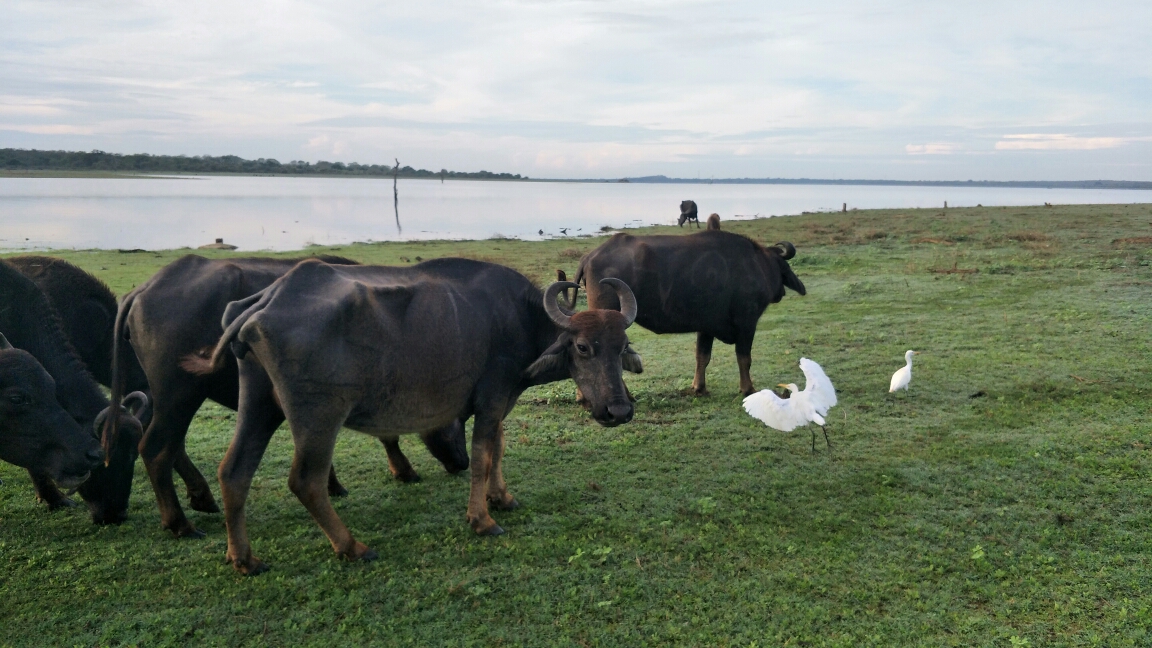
(826, 440)
(813, 441)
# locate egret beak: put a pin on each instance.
(915, 353)
(784, 386)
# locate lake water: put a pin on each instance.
(275, 213)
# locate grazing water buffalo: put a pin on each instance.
(35, 432)
(29, 323)
(87, 311)
(389, 351)
(713, 283)
(688, 213)
(177, 312)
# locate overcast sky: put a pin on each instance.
(830, 89)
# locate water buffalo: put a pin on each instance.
(177, 312)
(87, 311)
(714, 222)
(35, 432)
(389, 351)
(29, 323)
(688, 213)
(713, 283)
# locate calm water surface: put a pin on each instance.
(262, 213)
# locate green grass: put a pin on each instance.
(1020, 517)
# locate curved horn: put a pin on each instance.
(628, 305)
(99, 422)
(136, 403)
(561, 318)
(4, 344)
(786, 249)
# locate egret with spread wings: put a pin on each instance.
(802, 407)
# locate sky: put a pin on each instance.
(923, 90)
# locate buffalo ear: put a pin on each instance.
(553, 360)
(631, 361)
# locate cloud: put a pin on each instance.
(742, 88)
(1045, 142)
(934, 148)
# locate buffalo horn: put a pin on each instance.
(4, 345)
(561, 318)
(99, 422)
(786, 249)
(628, 306)
(136, 402)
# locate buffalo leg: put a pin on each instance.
(199, 493)
(448, 445)
(401, 469)
(315, 439)
(161, 449)
(47, 492)
(335, 488)
(486, 442)
(498, 495)
(744, 361)
(256, 420)
(703, 357)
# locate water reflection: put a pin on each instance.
(274, 213)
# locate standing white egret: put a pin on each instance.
(801, 407)
(903, 376)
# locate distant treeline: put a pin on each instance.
(1026, 184)
(33, 160)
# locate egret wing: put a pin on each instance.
(900, 379)
(774, 411)
(821, 393)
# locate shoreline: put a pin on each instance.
(739, 225)
(1128, 185)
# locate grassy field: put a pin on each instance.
(1003, 501)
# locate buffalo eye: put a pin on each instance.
(583, 349)
(19, 399)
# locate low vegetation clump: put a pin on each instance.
(1002, 501)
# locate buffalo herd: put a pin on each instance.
(325, 343)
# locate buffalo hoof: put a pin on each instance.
(408, 478)
(250, 566)
(189, 532)
(494, 530)
(359, 552)
(204, 506)
(337, 490)
(510, 505)
(61, 503)
(702, 391)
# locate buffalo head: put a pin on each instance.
(107, 491)
(592, 348)
(35, 431)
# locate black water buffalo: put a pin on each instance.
(713, 283)
(35, 432)
(389, 351)
(177, 312)
(28, 321)
(688, 213)
(87, 310)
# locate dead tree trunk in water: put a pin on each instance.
(396, 195)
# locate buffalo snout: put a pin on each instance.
(613, 415)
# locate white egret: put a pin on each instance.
(903, 376)
(801, 407)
